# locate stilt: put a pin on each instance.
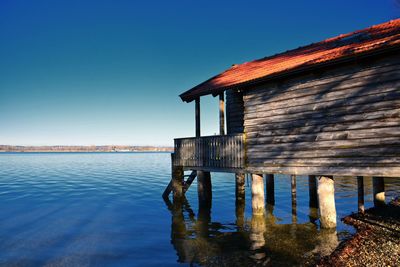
(204, 188)
(177, 183)
(240, 200)
(378, 185)
(360, 186)
(312, 189)
(240, 188)
(294, 198)
(313, 198)
(270, 189)
(257, 194)
(326, 200)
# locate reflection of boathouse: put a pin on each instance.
(200, 240)
(327, 109)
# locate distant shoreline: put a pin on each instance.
(72, 149)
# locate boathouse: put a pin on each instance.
(327, 109)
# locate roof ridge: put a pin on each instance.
(325, 41)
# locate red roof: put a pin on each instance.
(374, 39)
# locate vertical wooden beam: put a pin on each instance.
(177, 183)
(239, 187)
(204, 189)
(378, 185)
(360, 186)
(221, 114)
(240, 199)
(312, 189)
(313, 198)
(326, 201)
(257, 194)
(270, 189)
(294, 198)
(197, 114)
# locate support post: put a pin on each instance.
(204, 189)
(257, 194)
(197, 114)
(294, 198)
(240, 199)
(221, 114)
(360, 187)
(177, 183)
(326, 200)
(312, 188)
(378, 185)
(270, 189)
(313, 198)
(239, 187)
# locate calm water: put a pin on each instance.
(99, 209)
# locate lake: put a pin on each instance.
(106, 209)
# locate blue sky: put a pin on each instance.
(110, 72)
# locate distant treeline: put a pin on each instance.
(108, 148)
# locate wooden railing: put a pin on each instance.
(219, 151)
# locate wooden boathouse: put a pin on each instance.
(327, 109)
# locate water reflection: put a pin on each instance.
(262, 240)
(258, 241)
(199, 240)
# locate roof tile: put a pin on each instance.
(375, 38)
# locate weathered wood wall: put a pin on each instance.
(234, 111)
(338, 121)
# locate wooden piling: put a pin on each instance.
(240, 199)
(204, 188)
(378, 185)
(313, 198)
(270, 189)
(360, 187)
(312, 190)
(326, 200)
(239, 187)
(294, 198)
(257, 194)
(177, 183)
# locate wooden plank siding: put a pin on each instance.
(337, 121)
(234, 111)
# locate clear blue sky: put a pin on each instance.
(110, 72)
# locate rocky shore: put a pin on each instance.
(376, 243)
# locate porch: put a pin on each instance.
(210, 153)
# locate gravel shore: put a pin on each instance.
(376, 243)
